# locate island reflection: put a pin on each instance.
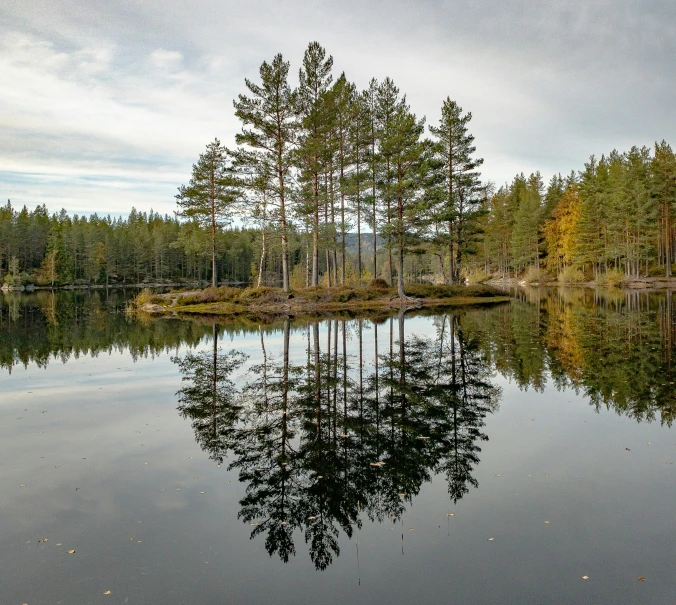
(327, 442)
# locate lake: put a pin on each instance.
(518, 453)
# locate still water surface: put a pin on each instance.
(493, 455)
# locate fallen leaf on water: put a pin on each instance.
(320, 476)
(402, 495)
(59, 544)
(546, 522)
(585, 577)
(254, 524)
(450, 514)
(497, 475)
(43, 540)
(312, 518)
(641, 579)
(284, 523)
(107, 592)
(140, 541)
(178, 489)
(22, 485)
(411, 529)
(201, 492)
(71, 552)
(491, 539)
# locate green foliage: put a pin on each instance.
(615, 215)
(209, 197)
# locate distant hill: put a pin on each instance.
(366, 242)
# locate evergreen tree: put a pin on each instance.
(269, 130)
(210, 195)
(315, 81)
(460, 183)
(405, 154)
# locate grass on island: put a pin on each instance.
(226, 300)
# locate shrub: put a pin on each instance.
(534, 275)
(379, 284)
(571, 275)
(449, 291)
(254, 293)
(477, 277)
(344, 294)
(612, 278)
(147, 296)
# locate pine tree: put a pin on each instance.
(663, 190)
(461, 182)
(405, 152)
(209, 196)
(388, 103)
(315, 81)
(269, 130)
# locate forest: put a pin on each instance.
(327, 184)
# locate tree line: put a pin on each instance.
(611, 220)
(145, 247)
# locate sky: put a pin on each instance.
(105, 105)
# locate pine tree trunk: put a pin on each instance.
(214, 277)
(315, 235)
(400, 277)
(358, 238)
(261, 265)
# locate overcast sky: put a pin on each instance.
(106, 104)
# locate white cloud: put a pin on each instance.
(166, 59)
(134, 92)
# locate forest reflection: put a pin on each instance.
(614, 347)
(325, 442)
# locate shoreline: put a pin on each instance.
(140, 286)
(273, 303)
(641, 283)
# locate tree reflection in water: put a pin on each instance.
(327, 442)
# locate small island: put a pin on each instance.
(320, 301)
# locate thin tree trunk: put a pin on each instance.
(261, 265)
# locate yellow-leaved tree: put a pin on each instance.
(560, 230)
